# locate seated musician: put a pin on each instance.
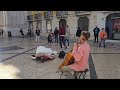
(80, 53)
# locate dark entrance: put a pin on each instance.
(83, 23)
(62, 21)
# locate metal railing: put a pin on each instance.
(48, 15)
(30, 18)
(82, 12)
(61, 14)
(38, 16)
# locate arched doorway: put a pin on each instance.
(62, 21)
(83, 23)
(113, 25)
(48, 26)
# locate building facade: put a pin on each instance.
(86, 20)
(48, 20)
(12, 21)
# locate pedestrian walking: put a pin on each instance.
(21, 31)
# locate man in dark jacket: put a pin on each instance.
(37, 34)
(56, 32)
(96, 33)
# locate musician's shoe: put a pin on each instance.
(68, 47)
(75, 77)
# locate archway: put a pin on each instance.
(83, 23)
(62, 21)
(113, 25)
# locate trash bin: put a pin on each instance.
(9, 34)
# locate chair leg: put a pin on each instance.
(84, 75)
(80, 75)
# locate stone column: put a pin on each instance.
(44, 31)
(92, 24)
(72, 22)
(5, 23)
(101, 18)
(55, 22)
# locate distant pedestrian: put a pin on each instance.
(96, 33)
(21, 31)
(67, 36)
(103, 37)
(2, 32)
(49, 38)
(78, 33)
(37, 34)
(29, 32)
(56, 33)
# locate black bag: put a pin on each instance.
(61, 54)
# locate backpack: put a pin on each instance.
(61, 54)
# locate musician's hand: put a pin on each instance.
(76, 44)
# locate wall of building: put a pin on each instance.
(72, 22)
(15, 21)
(1, 20)
(101, 19)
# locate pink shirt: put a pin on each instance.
(81, 56)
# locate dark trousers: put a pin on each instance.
(95, 37)
(56, 38)
(67, 41)
(102, 42)
(49, 41)
(22, 35)
(62, 40)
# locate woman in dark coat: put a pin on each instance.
(78, 32)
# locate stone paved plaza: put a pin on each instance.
(16, 62)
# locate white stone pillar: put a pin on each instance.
(44, 31)
(5, 23)
(72, 22)
(55, 22)
(92, 24)
(101, 18)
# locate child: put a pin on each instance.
(49, 38)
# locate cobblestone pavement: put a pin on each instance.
(16, 62)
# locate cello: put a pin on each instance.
(69, 59)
